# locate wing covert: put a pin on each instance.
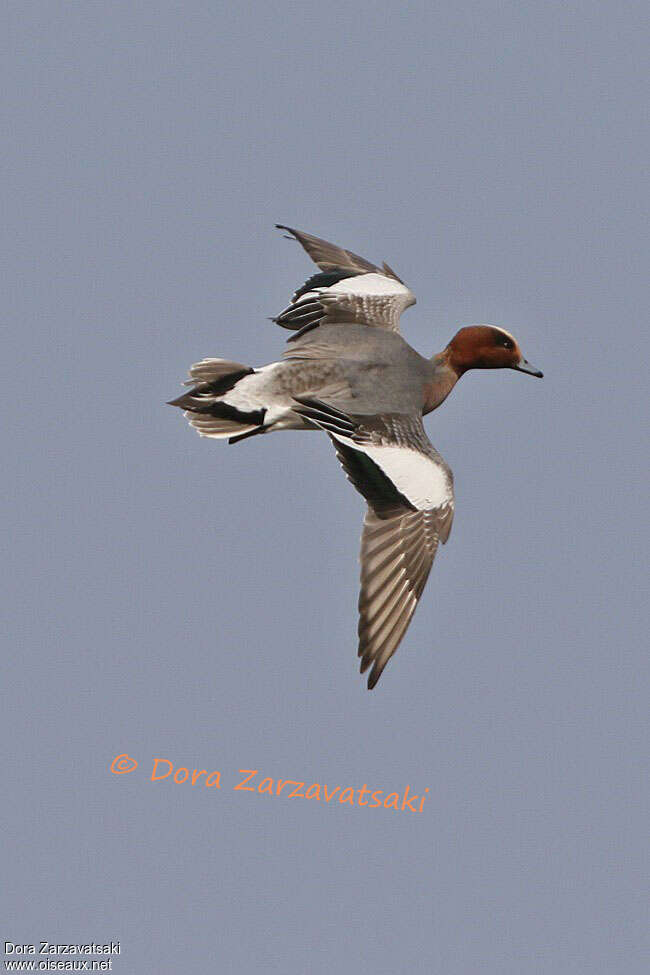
(409, 491)
(348, 289)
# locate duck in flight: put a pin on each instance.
(348, 371)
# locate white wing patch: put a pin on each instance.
(372, 299)
(423, 483)
(376, 299)
(373, 284)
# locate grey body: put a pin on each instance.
(359, 369)
(349, 372)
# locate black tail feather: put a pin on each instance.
(244, 436)
(196, 404)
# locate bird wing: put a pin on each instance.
(348, 289)
(409, 489)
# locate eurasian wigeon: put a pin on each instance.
(348, 371)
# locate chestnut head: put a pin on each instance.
(487, 347)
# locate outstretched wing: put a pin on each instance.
(347, 289)
(409, 490)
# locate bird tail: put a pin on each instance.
(207, 410)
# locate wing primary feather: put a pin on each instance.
(400, 534)
(377, 300)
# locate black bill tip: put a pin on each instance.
(524, 366)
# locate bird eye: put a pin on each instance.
(506, 342)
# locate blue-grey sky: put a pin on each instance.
(168, 596)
